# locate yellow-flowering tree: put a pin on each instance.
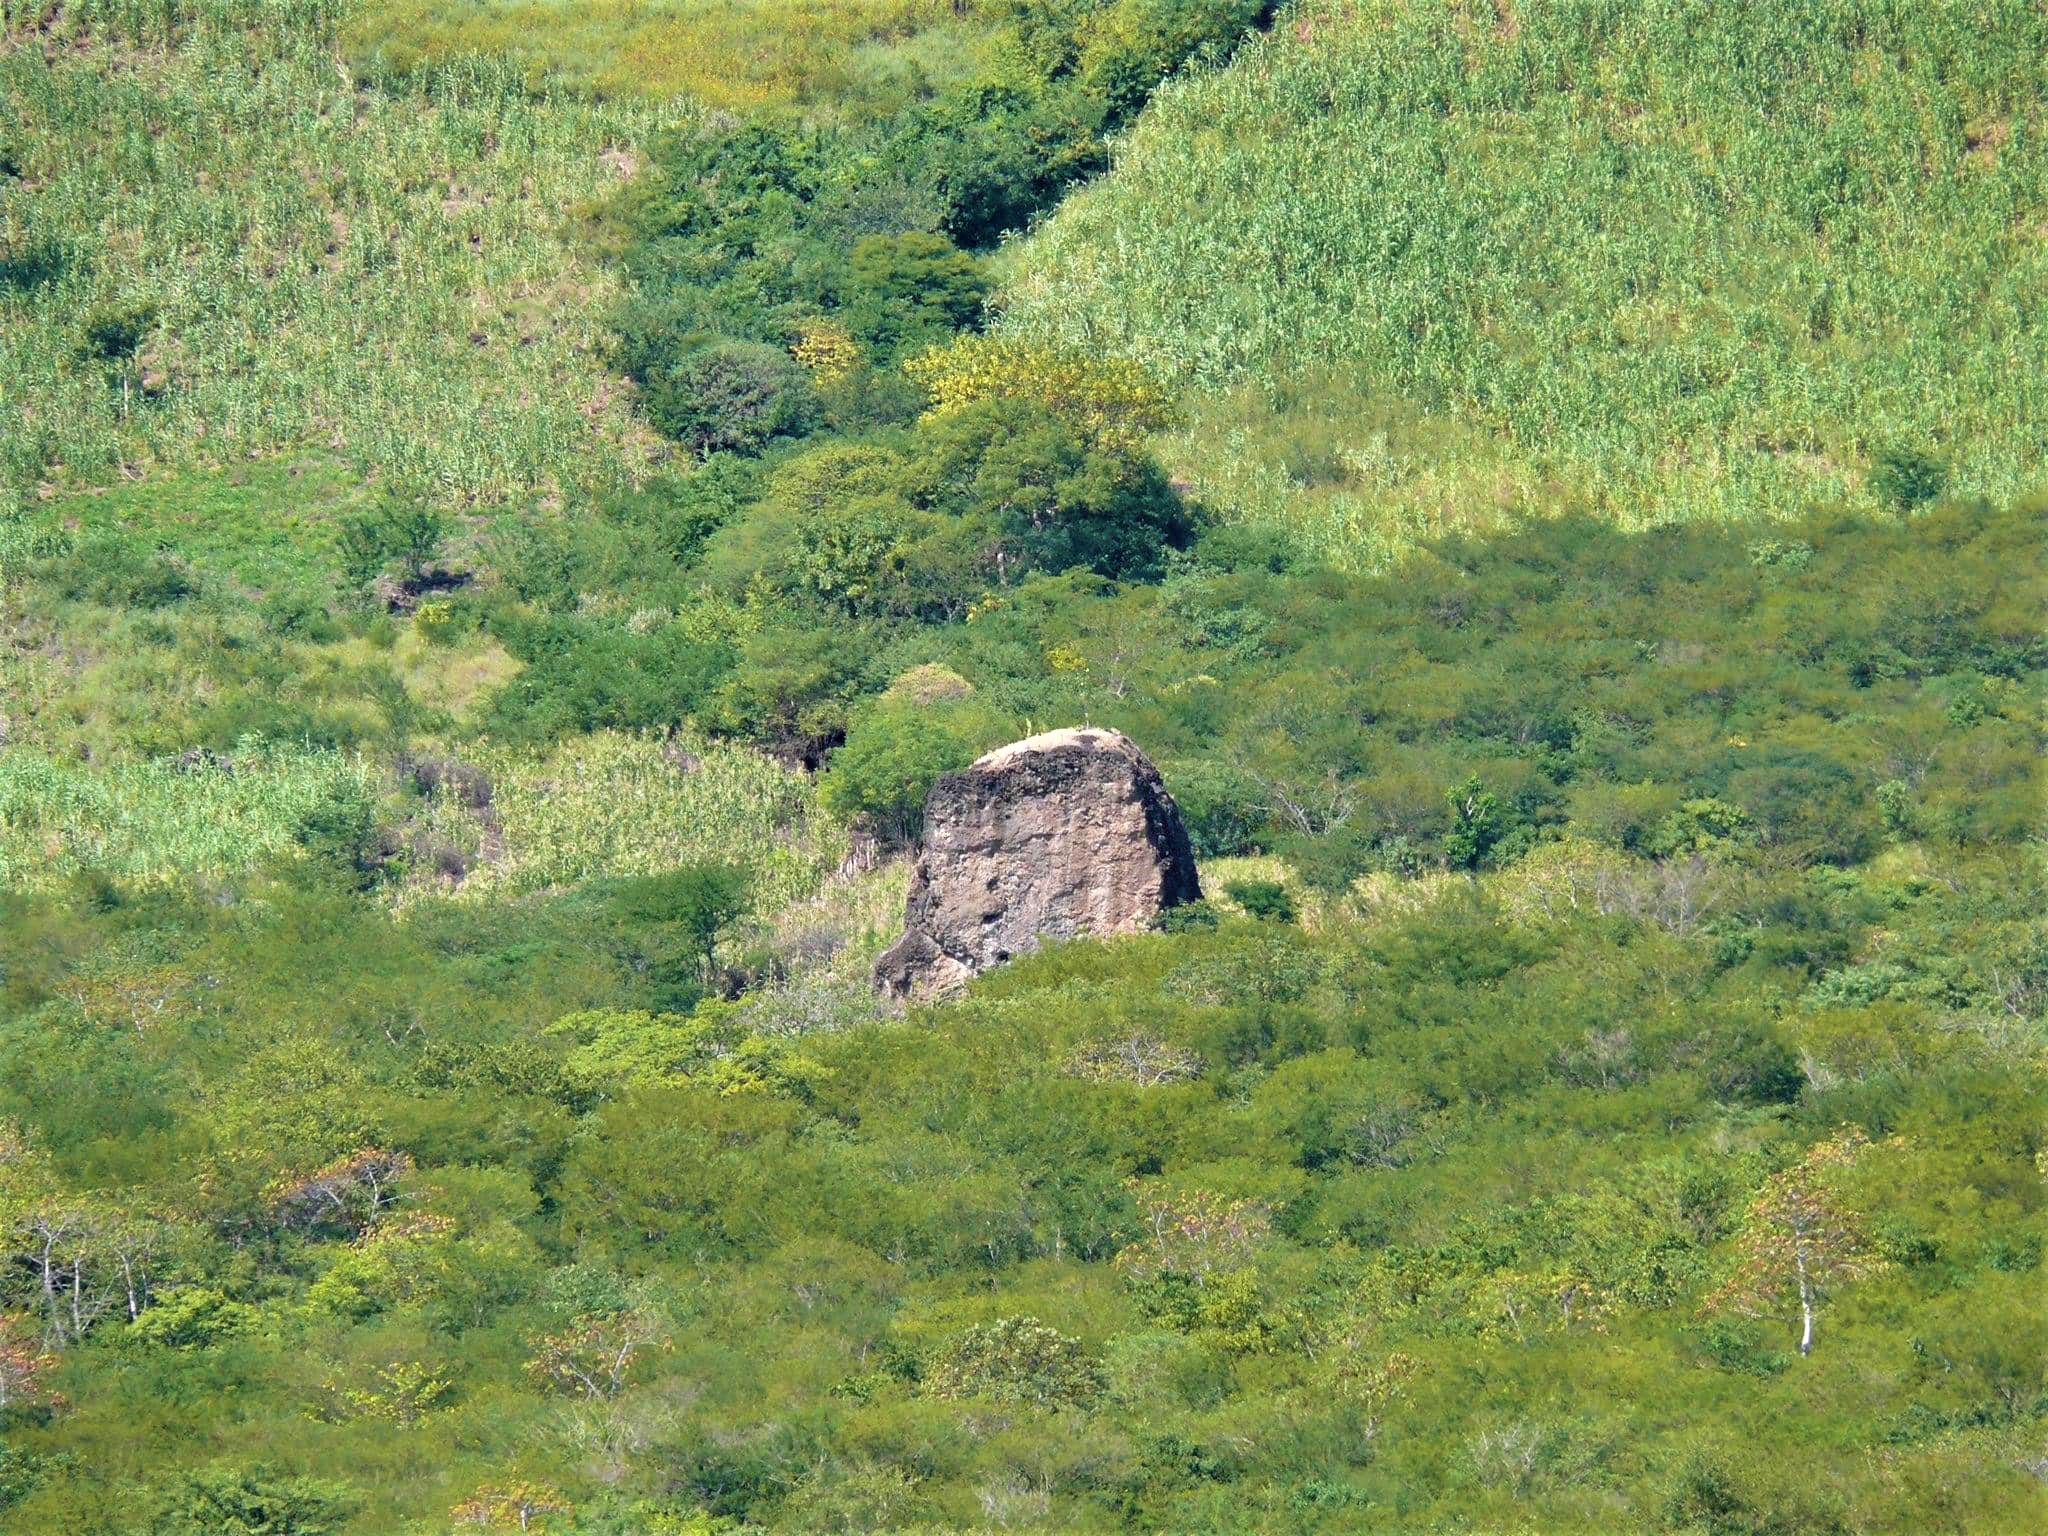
(402, 1393)
(592, 1357)
(1110, 403)
(1196, 1234)
(827, 349)
(1366, 1383)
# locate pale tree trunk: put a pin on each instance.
(1805, 1301)
(48, 1260)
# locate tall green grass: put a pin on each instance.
(614, 804)
(154, 821)
(1671, 260)
(395, 275)
(733, 54)
(599, 806)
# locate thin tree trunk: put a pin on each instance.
(1805, 1302)
(50, 1286)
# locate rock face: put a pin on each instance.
(1066, 833)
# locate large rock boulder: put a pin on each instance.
(1066, 833)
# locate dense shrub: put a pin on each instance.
(911, 289)
(111, 334)
(1018, 1359)
(1224, 809)
(406, 531)
(732, 396)
(584, 676)
(1908, 478)
(225, 1499)
(890, 760)
(1267, 899)
(121, 573)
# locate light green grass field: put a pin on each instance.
(1427, 263)
(599, 806)
(725, 53)
(394, 277)
(253, 523)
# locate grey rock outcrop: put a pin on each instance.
(1066, 833)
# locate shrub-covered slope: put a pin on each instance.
(1658, 893)
(441, 1087)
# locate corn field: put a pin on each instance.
(602, 805)
(391, 275)
(613, 804)
(1671, 260)
(157, 821)
(728, 54)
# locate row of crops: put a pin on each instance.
(1665, 260)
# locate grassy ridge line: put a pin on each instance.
(1690, 264)
(284, 258)
(731, 54)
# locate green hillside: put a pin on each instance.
(839, 56)
(506, 511)
(216, 244)
(1423, 1210)
(1427, 262)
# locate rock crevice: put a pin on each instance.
(1063, 834)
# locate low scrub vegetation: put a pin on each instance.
(1644, 897)
(448, 816)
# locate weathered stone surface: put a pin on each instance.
(1070, 832)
